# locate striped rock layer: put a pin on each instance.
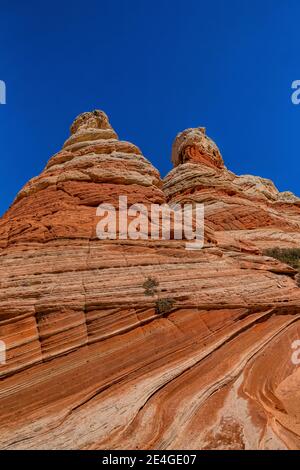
(99, 359)
(243, 211)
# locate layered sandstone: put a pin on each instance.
(93, 167)
(51, 225)
(91, 362)
(243, 211)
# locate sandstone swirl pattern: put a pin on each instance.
(91, 364)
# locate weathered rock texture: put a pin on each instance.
(243, 211)
(92, 360)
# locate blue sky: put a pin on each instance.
(156, 67)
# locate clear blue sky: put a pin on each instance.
(156, 67)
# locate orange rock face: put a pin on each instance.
(120, 343)
(243, 211)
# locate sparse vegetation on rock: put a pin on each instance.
(150, 286)
(164, 306)
(290, 256)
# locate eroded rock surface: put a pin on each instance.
(243, 211)
(92, 362)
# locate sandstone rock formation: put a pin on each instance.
(243, 211)
(92, 361)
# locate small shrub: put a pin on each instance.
(150, 286)
(290, 256)
(164, 306)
